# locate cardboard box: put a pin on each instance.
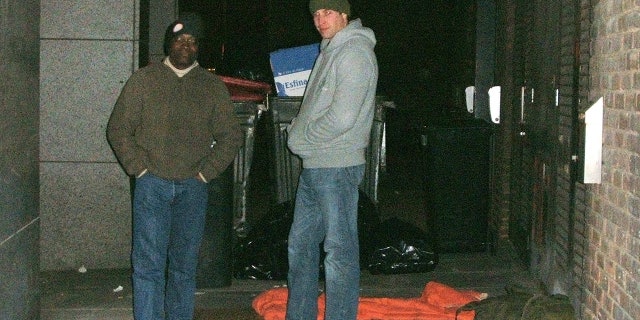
(291, 68)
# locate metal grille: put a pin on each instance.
(248, 113)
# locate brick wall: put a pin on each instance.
(612, 257)
(571, 241)
(587, 244)
(501, 171)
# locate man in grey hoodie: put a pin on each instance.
(330, 134)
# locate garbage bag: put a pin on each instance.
(400, 247)
(262, 254)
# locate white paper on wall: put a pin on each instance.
(593, 142)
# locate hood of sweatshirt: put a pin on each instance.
(354, 31)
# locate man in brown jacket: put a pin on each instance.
(173, 128)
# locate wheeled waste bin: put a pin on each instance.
(227, 207)
(456, 167)
(286, 166)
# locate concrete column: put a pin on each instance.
(20, 223)
(88, 51)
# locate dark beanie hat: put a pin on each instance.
(337, 5)
(189, 23)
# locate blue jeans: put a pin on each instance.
(326, 210)
(168, 223)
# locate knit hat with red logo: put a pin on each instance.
(189, 23)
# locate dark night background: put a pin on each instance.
(425, 49)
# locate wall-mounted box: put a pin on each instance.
(591, 149)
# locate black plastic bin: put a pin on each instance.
(215, 265)
(456, 170)
(227, 206)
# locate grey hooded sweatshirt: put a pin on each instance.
(333, 126)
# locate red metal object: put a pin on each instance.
(246, 90)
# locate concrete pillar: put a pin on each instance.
(20, 223)
(88, 51)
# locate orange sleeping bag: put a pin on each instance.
(437, 302)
